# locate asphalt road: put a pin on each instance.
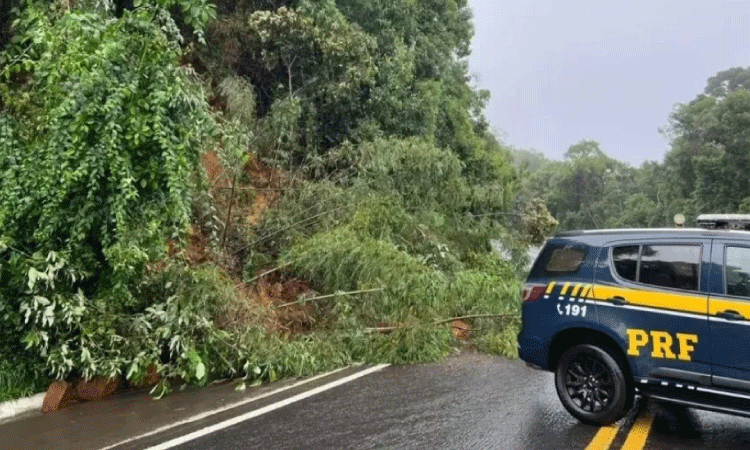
(470, 401)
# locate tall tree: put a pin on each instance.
(586, 190)
(361, 70)
(710, 156)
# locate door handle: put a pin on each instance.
(617, 300)
(730, 314)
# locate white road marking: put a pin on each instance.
(258, 412)
(220, 410)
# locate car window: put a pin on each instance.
(566, 260)
(737, 271)
(671, 266)
(557, 260)
(626, 261)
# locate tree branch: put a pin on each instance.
(442, 321)
(363, 291)
(475, 316)
(270, 271)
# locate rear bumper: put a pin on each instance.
(533, 351)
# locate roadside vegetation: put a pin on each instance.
(252, 189)
(269, 188)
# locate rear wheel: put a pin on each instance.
(591, 385)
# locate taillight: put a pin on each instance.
(532, 292)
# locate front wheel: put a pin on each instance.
(591, 385)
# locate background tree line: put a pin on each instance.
(705, 171)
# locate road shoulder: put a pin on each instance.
(135, 420)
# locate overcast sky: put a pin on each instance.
(611, 71)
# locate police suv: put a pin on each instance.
(663, 313)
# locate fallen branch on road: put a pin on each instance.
(302, 300)
(475, 316)
(442, 321)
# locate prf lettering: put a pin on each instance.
(661, 344)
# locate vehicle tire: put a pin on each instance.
(591, 385)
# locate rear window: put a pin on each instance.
(558, 260)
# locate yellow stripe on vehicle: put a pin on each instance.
(550, 287)
(693, 303)
(565, 288)
(586, 291)
(639, 432)
(576, 290)
(603, 438)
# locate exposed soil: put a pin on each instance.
(284, 298)
(272, 300)
(262, 182)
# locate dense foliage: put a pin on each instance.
(384, 183)
(101, 133)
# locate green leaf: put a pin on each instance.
(33, 275)
(194, 357)
(200, 371)
(162, 388)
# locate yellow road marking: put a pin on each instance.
(603, 438)
(639, 432)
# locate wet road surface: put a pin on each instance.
(470, 401)
(682, 428)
